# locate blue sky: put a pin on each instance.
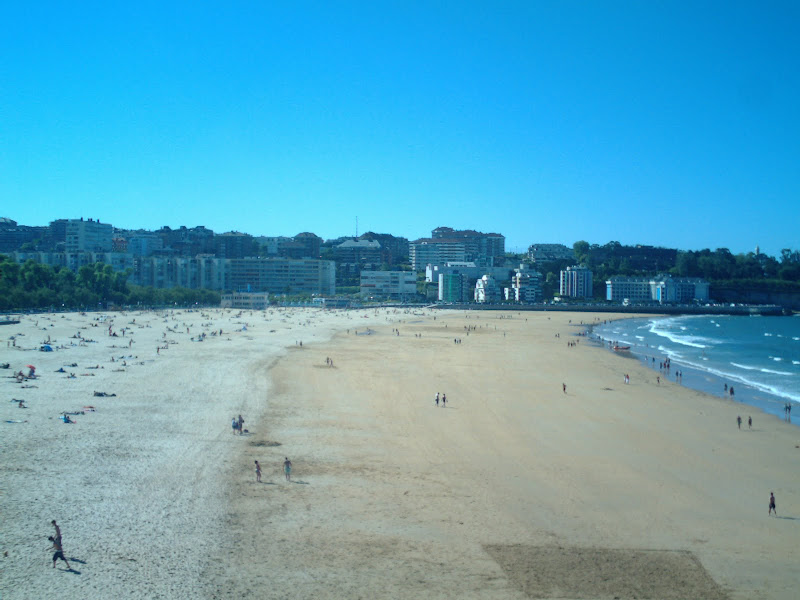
(664, 123)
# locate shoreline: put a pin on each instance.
(709, 382)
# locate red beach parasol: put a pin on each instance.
(30, 366)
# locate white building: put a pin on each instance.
(249, 300)
(388, 284)
(526, 286)
(486, 290)
(576, 282)
(88, 236)
(435, 251)
(662, 289)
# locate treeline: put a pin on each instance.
(720, 267)
(34, 285)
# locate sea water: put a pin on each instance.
(758, 356)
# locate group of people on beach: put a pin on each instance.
(237, 424)
(443, 400)
(287, 470)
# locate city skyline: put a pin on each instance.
(670, 125)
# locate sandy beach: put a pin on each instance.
(514, 490)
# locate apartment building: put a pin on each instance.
(576, 282)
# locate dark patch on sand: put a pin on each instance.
(600, 573)
(265, 443)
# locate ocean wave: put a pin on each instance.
(762, 369)
(769, 389)
(747, 367)
(657, 327)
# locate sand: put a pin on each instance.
(514, 490)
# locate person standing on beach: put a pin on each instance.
(739, 421)
(241, 425)
(59, 552)
(444, 400)
(57, 544)
(437, 399)
(287, 469)
(771, 510)
(258, 472)
(749, 422)
(564, 387)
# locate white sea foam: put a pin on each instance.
(769, 389)
(747, 367)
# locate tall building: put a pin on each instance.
(425, 251)
(283, 275)
(486, 290)
(454, 287)
(526, 286)
(88, 236)
(576, 282)
(485, 249)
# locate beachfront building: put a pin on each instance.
(247, 300)
(401, 285)
(73, 261)
(283, 275)
(470, 269)
(526, 286)
(576, 282)
(88, 236)
(486, 290)
(454, 287)
(663, 289)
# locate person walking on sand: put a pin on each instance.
(771, 506)
(287, 469)
(437, 399)
(564, 387)
(59, 552)
(444, 400)
(258, 472)
(749, 422)
(739, 421)
(240, 422)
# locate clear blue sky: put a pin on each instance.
(666, 123)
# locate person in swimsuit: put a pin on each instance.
(771, 505)
(444, 400)
(258, 472)
(59, 552)
(287, 469)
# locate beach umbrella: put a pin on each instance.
(30, 366)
